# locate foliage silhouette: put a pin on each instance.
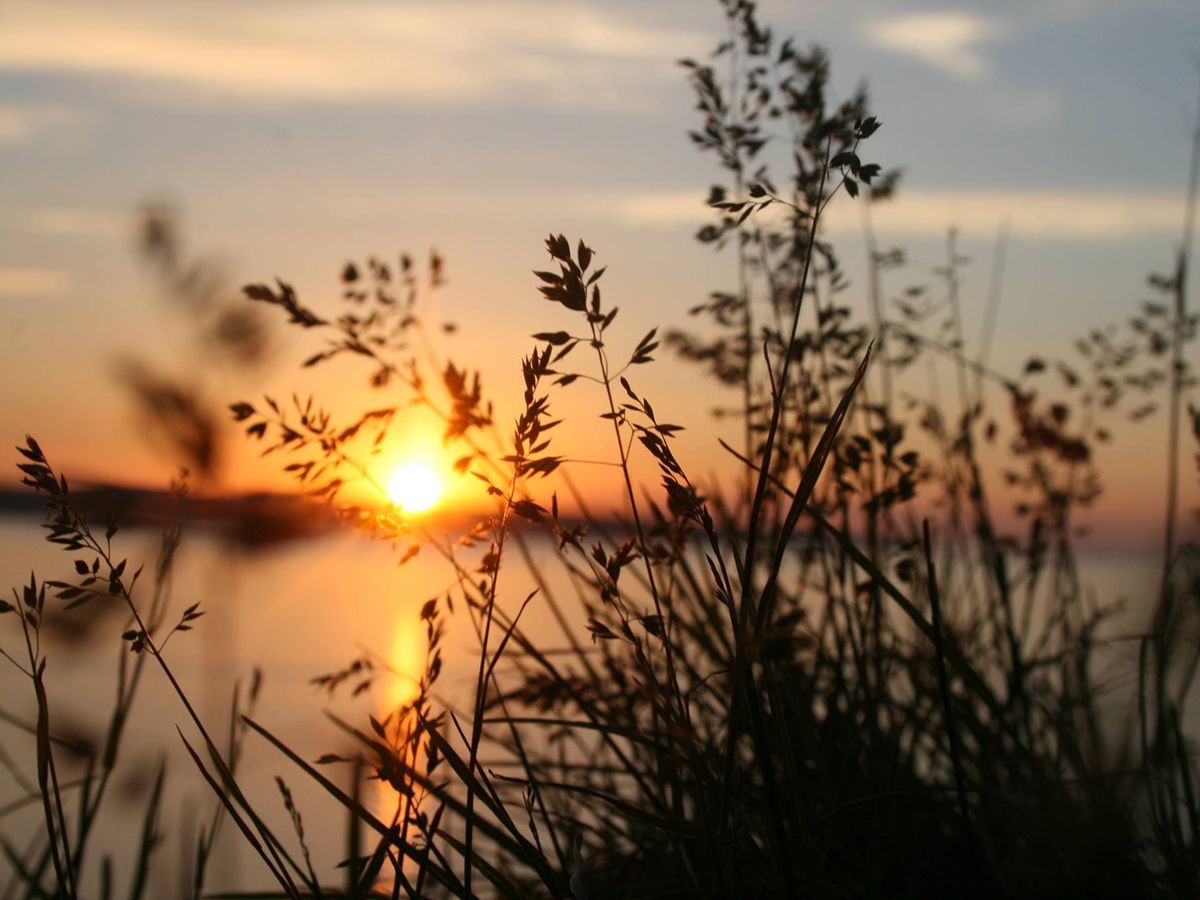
(834, 674)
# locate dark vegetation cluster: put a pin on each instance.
(835, 674)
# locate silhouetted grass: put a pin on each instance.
(833, 674)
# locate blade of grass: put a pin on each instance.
(624, 806)
(150, 837)
(499, 880)
(274, 846)
(247, 832)
(935, 605)
(964, 669)
(30, 881)
(370, 872)
(800, 497)
(353, 805)
(423, 860)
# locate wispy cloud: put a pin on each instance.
(72, 222)
(27, 282)
(361, 51)
(21, 123)
(1051, 215)
(1054, 215)
(951, 40)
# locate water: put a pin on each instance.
(296, 610)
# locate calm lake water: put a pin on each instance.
(295, 610)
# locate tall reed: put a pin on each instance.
(834, 673)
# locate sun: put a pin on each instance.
(415, 487)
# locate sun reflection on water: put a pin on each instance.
(406, 659)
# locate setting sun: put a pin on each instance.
(415, 487)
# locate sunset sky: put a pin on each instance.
(291, 137)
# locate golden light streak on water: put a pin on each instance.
(406, 659)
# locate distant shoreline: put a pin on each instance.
(263, 518)
(260, 518)
(255, 518)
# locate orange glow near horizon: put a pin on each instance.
(415, 470)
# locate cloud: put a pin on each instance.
(1054, 215)
(24, 282)
(20, 124)
(1051, 215)
(948, 40)
(70, 222)
(659, 208)
(544, 53)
